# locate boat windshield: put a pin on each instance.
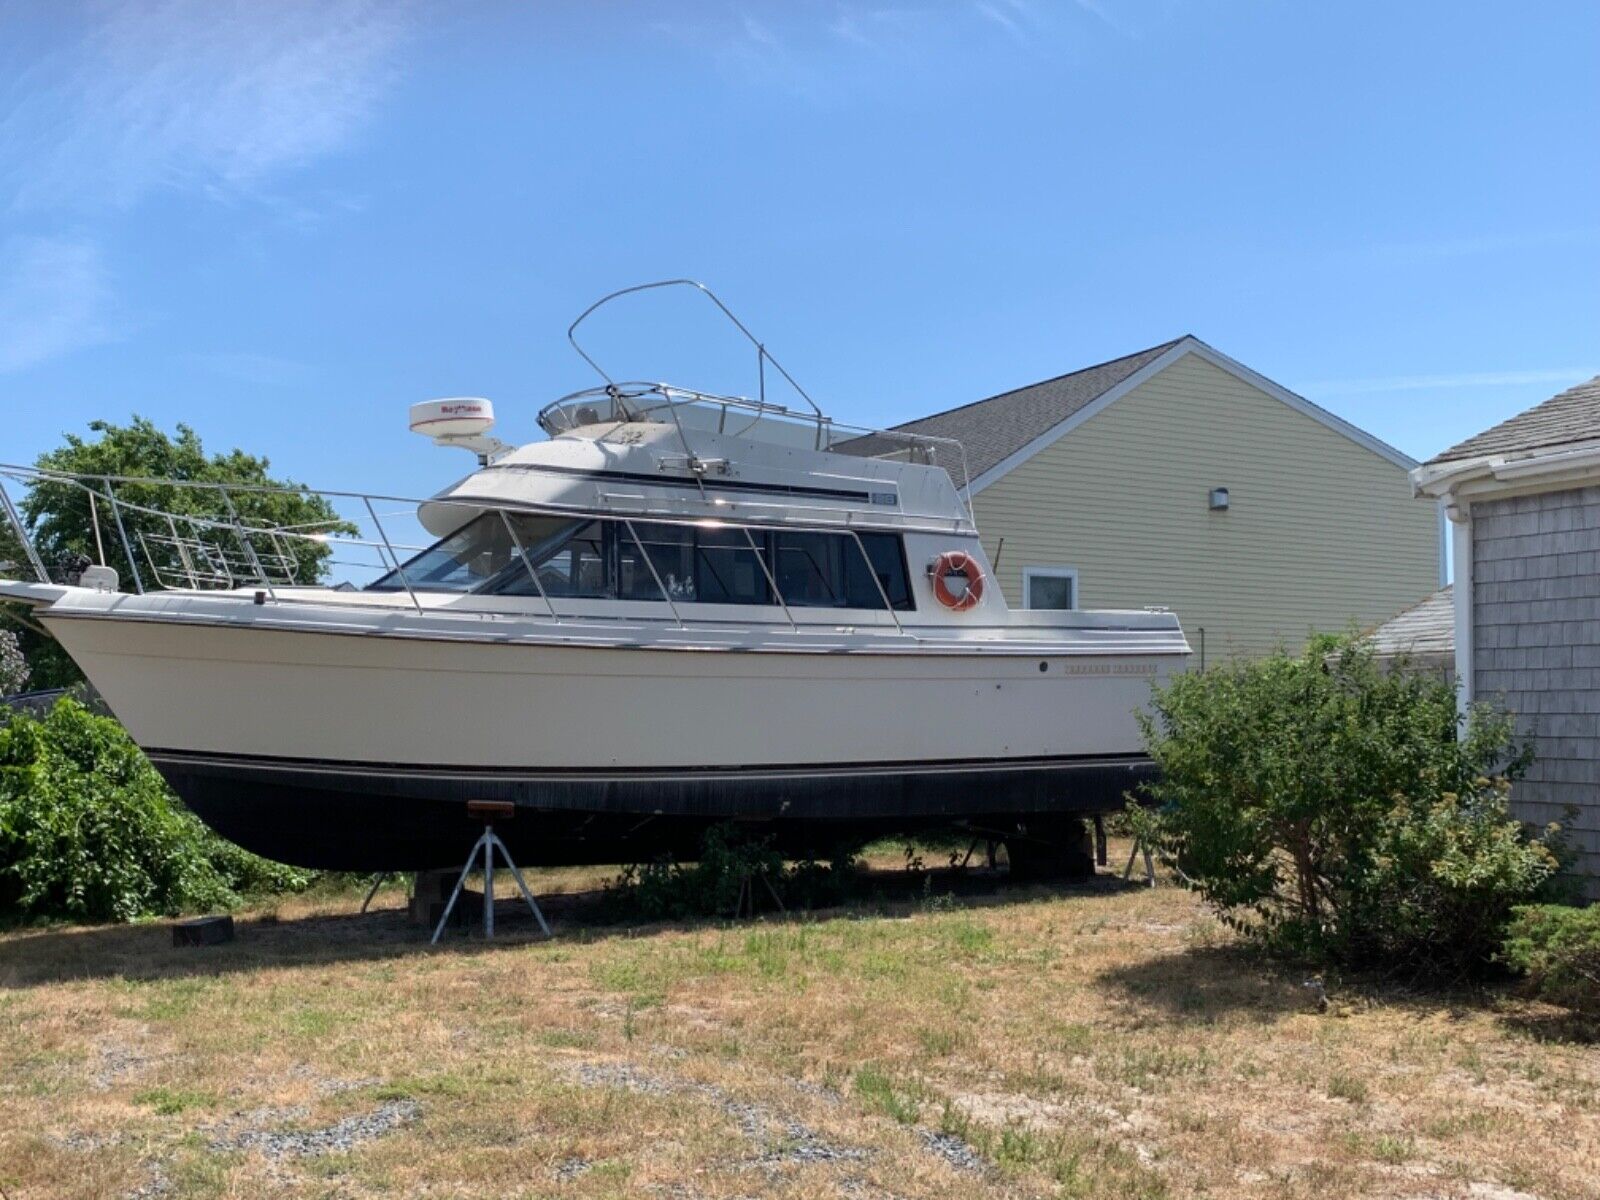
(474, 554)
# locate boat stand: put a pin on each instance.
(1149, 865)
(747, 895)
(487, 844)
(382, 878)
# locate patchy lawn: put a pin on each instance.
(1105, 1040)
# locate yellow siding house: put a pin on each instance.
(1179, 477)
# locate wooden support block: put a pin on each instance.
(491, 810)
(203, 931)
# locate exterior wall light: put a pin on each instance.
(1219, 499)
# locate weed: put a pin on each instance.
(881, 1094)
(169, 1102)
(1347, 1087)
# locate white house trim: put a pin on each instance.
(1184, 347)
(1444, 543)
(1462, 598)
(1501, 474)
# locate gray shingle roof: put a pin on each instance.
(1571, 417)
(1427, 629)
(994, 429)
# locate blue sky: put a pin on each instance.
(284, 222)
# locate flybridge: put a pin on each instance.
(465, 421)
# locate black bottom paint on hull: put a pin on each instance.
(361, 817)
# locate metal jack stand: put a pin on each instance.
(1149, 866)
(747, 895)
(383, 877)
(488, 843)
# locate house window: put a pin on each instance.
(1049, 587)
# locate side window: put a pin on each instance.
(603, 559)
(578, 568)
(726, 570)
(671, 551)
(809, 568)
(1049, 587)
(570, 559)
(887, 555)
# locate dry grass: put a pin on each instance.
(1099, 1041)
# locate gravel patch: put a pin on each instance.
(115, 1061)
(246, 1132)
(784, 1140)
(330, 1085)
(953, 1150)
(570, 1168)
(159, 1185)
(619, 1075)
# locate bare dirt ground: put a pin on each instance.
(1099, 1040)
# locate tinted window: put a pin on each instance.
(603, 560)
(886, 559)
(726, 570)
(810, 569)
(574, 567)
(671, 551)
(470, 556)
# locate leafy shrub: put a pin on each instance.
(1558, 947)
(666, 890)
(13, 667)
(1328, 808)
(88, 830)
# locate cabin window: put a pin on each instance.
(599, 559)
(575, 567)
(727, 570)
(810, 569)
(472, 555)
(887, 556)
(1049, 587)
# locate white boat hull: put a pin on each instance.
(352, 740)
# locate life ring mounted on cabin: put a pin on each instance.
(957, 580)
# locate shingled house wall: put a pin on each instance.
(1536, 649)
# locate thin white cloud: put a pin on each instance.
(1465, 379)
(1101, 13)
(1005, 20)
(54, 298)
(214, 95)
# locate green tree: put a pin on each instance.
(13, 666)
(1335, 810)
(62, 519)
(65, 523)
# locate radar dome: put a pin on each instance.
(457, 417)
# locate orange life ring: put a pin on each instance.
(960, 564)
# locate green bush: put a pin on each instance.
(667, 890)
(88, 830)
(1558, 947)
(711, 886)
(1328, 808)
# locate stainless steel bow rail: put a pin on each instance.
(226, 554)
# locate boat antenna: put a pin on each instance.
(763, 356)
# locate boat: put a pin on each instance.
(678, 609)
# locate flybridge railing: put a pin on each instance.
(233, 550)
(690, 411)
(637, 401)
